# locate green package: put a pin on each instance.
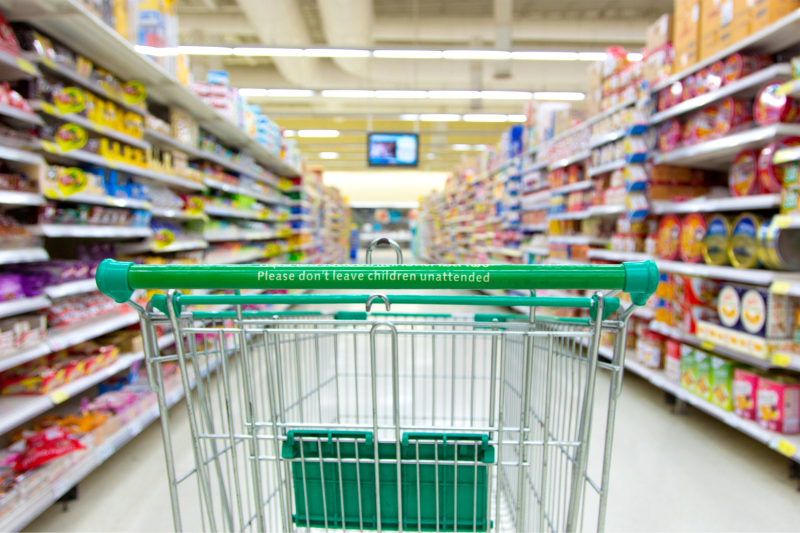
(688, 368)
(705, 380)
(722, 380)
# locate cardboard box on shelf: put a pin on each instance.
(765, 12)
(742, 19)
(686, 35)
(659, 33)
(709, 27)
(727, 22)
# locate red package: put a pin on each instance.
(46, 445)
(701, 86)
(743, 175)
(744, 387)
(695, 291)
(704, 125)
(8, 40)
(689, 87)
(739, 66)
(669, 135)
(770, 176)
(771, 107)
(715, 76)
(776, 405)
(732, 114)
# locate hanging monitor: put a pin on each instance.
(393, 149)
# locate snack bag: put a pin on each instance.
(46, 445)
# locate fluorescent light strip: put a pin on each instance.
(329, 155)
(454, 95)
(506, 95)
(545, 56)
(401, 94)
(487, 117)
(205, 50)
(348, 93)
(439, 117)
(317, 133)
(558, 96)
(267, 52)
(290, 93)
(408, 54)
(476, 54)
(333, 52)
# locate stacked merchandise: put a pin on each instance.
(94, 166)
(711, 194)
(335, 227)
(306, 201)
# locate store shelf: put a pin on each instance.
(233, 189)
(535, 250)
(384, 205)
(23, 255)
(52, 151)
(567, 161)
(776, 37)
(606, 167)
(593, 211)
(533, 227)
(23, 305)
(159, 139)
(535, 207)
(788, 445)
(746, 87)
(686, 338)
(16, 68)
(217, 211)
(176, 214)
(20, 198)
(90, 36)
(719, 153)
(73, 287)
(242, 236)
(102, 232)
(712, 205)
(151, 246)
(8, 153)
(246, 257)
(606, 138)
(572, 187)
(399, 236)
(67, 336)
(743, 275)
(51, 111)
(19, 115)
(97, 199)
(579, 239)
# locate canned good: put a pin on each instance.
(669, 135)
(704, 126)
(777, 248)
(743, 252)
(669, 230)
(743, 175)
(717, 241)
(693, 233)
(770, 176)
(771, 107)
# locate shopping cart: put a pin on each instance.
(385, 421)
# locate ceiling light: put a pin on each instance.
(336, 52)
(205, 50)
(461, 147)
(267, 52)
(592, 56)
(318, 133)
(289, 133)
(635, 56)
(506, 95)
(401, 94)
(409, 117)
(545, 56)
(476, 54)
(290, 93)
(253, 92)
(439, 117)
(154, 51)
(329, 155)
(347, 93)
(517, 118)
(408, 54)
(454, 94)
(479, 147)
(485, 118)
(558, 96)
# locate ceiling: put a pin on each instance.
(520, 25)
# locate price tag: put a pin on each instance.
(51, 147)
(110, 163)
(26, 66)
(781, 359)
(71, 137)
(49, 109)
(780, 287)
(59, 396)
(782, 221)
(194, 205)
(785, 447)
(707, 345)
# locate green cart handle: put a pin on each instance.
(119, 279)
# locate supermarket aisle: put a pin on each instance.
(670, 473)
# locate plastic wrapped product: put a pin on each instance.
(771, 107)
(689, 87)
(743, 252)
(669, 135)
(715, 76)
(743, 175)
(701, 87)
(717, 241)
(770, 176)
(732, 114)
(669, 237)
(739, 66)
(693, 232)
(705, 123)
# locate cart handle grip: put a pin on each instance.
(119, 279)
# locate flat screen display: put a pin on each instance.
(393, 149)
